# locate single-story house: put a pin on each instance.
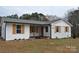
(11, 29)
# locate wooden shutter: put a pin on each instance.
(59, 28)
(22, 28)
(14, 28)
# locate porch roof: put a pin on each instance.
(10, 20)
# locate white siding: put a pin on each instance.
(11, 36)
(26, 35)
(61, 34)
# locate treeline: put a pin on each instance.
(73, 18)
(33, 16)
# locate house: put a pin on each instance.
(52, 17)
(11, 29)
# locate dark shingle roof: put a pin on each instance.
(10, 20)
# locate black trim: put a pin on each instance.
(42, 34)
(50, 31)
(5, 31)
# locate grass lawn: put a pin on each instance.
(41, 45)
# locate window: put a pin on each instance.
(34, 29)
(57, 29)
(46, 28)
(66, 29)
(37, 29)
(18, 28)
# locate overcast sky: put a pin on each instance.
(47, 10)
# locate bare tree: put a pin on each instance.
(73, 18)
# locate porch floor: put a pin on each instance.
(39, 37)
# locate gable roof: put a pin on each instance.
(68, 23)
(62, 20)
(10, 20)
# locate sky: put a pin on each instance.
(59, 11)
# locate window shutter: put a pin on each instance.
(65, 29)
(14, 28)
(59, 28)
(22, 28)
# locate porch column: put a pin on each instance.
(50, 31)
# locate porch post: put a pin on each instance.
(50, 31)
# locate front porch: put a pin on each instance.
(40, 31)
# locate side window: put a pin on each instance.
(57, 29)
(66, 29)
(46, 29)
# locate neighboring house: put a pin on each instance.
(25, 29)
(51, 17)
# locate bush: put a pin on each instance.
(19, 39)
(15, 39)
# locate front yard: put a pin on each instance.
(40, 45)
